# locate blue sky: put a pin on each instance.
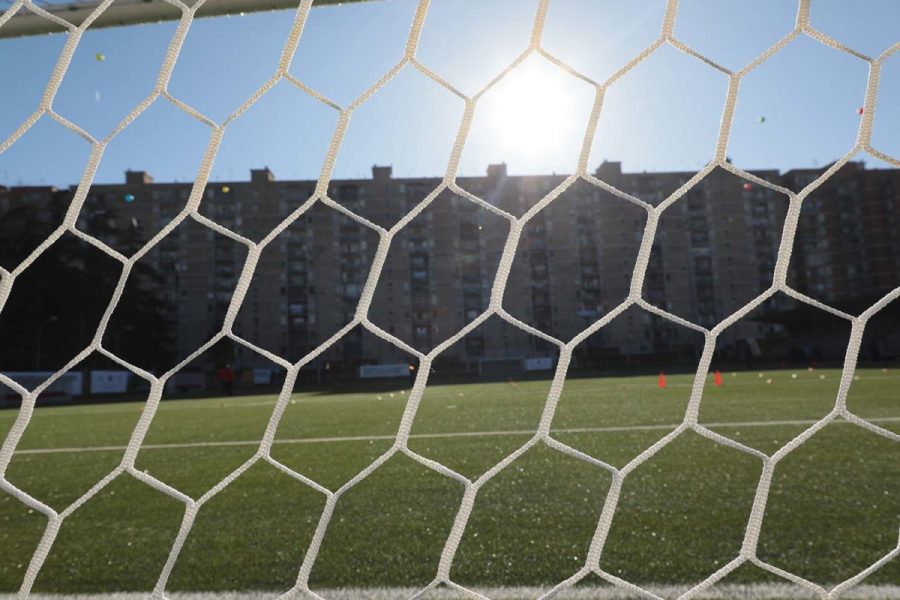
(664, 115)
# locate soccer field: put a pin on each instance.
(832, 511)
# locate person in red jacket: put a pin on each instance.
(226, 379)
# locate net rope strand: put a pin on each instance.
(542, 434)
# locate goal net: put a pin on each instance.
(469, 324)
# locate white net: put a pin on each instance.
(386, 236)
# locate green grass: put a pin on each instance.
(834, 506)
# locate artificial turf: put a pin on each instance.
(834, 506)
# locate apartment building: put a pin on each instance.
(713, 251)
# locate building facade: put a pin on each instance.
(714, 250)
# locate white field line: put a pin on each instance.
(460, 434)
(755, 591)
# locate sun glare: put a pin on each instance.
(531, 111)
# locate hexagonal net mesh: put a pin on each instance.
(542, 435)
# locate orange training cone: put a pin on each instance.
(662, 380)
(717, 378)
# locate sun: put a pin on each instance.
(530, 113)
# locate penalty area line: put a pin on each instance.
(461, 434)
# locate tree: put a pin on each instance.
(56, 304)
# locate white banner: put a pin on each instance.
(373, 371)
(544, 363)
(109, 382)
(262, 376)
(69, 383)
